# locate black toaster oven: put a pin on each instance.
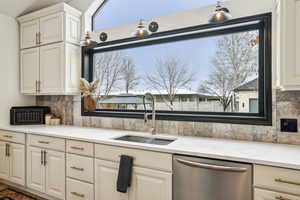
(28, 115)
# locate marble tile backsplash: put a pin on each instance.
(285, 105)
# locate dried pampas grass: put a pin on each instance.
(87, 88)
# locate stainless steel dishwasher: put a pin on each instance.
(208, 179)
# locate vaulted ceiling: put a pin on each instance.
(15, 8)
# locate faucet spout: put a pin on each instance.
(153, 114)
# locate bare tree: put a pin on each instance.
(108, 70)
(235, 61)
(171, 74)
(129, 74)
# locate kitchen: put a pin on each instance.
(111, 134)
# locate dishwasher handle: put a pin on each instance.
(210, 166)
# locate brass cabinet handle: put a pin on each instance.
(78, 148)
(42, 157)
(44, 142)
(77, 194)
(7, 136)
(40, 36)
(281, 198)
(77, 168)
(8, 150)
(286, 181)
(36, 38)
(45, 158)
(36, 87)
(39, 84)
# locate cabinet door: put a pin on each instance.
(35, 169)
(28, 34)
(72, 29)
(52, 69)
(106, 174)
(287, 49)
(4, 162)
(73, 68)
(17, 164)
(30, 61)
(55, 174)
(150, 184)
(51, 28)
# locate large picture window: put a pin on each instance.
(215, 73)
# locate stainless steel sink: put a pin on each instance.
(147, 140)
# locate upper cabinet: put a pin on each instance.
(288, 44)
(52, 29)
(29, 34)
(58, 23)
(50, 51)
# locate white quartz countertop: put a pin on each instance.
(279, 155)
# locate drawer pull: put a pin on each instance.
(78, 148)
(7, 136)
(44, 142)
(77, 194)
(281, 198)
(77, 168)
(286, 181)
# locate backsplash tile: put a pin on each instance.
(285, 105)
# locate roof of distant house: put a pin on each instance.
(179, 92)
(249, 86)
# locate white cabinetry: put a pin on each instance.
(150, 180)
(12, 159)
(51, 29)
(288, 44)
(276, 183)
(35, 169)
(55, 173)
(58, 23)
(50, 51)
(29, 34)
(80, 170)
(52, 69)
(151, 184)
(30, 75)
(46, 168)
(106, 175)
(4, 161)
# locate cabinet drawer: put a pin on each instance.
(279, 179)
(81, 168)
(81, 148)
(147, 159)
(46, 142)
(260, 194)
(77, 190)
(12, 137)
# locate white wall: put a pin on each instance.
(9, 68)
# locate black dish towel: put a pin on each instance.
(125, 173)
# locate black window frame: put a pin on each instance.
(263, 23)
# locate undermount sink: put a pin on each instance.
(147, 140)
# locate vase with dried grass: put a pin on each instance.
(87, 90)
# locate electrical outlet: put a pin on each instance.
(289, 125)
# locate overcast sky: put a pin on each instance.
(197, 53)
(117, 12)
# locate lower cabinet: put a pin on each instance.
(46, 171)
(147, 184)
(77, 190)
(106, 175)
(260, 194)
(12, 162)
(4, 161)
